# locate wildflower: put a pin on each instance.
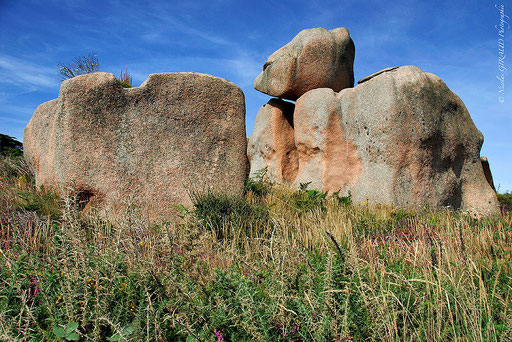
(131, 305)
(34, 287)
(295, 329)
(91, 283)
(219, 336)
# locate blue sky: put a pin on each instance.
(456, 40)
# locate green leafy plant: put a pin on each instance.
(259, 184)
(67, 332)
(307, 200)
(226, 214)
(80, 66)
(123, 333)
(342, 200)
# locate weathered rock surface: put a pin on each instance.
(364, 79)
(175, 132)
(325, 157)
(315, 58)
(487, 172)
(401, 138)
(272, 143)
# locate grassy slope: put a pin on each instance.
(275, 265)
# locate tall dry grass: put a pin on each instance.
(276, 265)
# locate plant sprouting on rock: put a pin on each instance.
(125, 79)
(80, 66)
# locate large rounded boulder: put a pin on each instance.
(401, 137)
(315, 58)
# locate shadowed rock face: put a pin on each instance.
(177, 131)
(315, 58)
(272, 144)
(487, 172)
(401, 138)
(416, 141)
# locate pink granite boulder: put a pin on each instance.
(315, 58)
(151, 144)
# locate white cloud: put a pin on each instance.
(19, 72)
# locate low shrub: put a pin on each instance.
(230, 215)
(259, 184)
(505, 201)
(10, 147)
(80, 66)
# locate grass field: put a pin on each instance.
(273, 265)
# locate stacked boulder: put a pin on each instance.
(400, 137)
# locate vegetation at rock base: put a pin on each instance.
(505, 201)
(274, 265)
(9, 146)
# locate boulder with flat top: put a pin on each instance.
(150, 145)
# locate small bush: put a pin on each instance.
(342, 200)
(505, 200)
(81, 66)
(307, 200)
(259, 184)
(125, 79)
(9, 146)
(227, 215)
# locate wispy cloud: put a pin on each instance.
(245, 68)
(20, 72)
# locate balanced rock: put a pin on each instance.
(176, 132)
(315, 58)
(272, 143)
(401, 138)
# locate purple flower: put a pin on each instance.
(219, 336)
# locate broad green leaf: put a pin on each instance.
(115, 337)
(59, 332)
(72, 336)
(128, 330)
(72, 326)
